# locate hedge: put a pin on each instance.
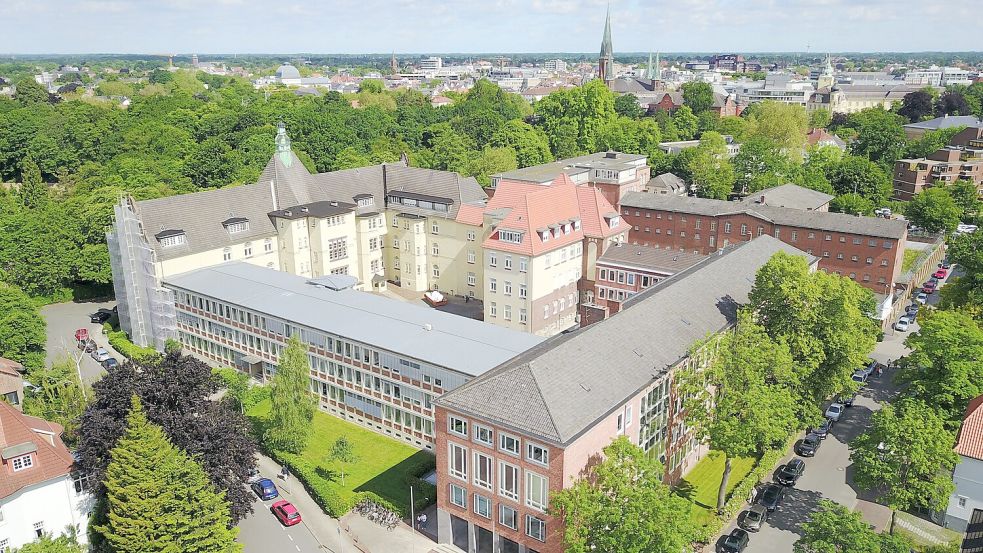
(126, 348)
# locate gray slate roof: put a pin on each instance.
(669, 181)
(946, 122)
(572, 166)
(200, 214)
(791, 196)
(458, 343)
(561, 388)
(646, 257)
(818, 220)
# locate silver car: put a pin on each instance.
(834, 411)
(754, 517)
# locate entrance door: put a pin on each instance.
(486, 540)
(459, 533)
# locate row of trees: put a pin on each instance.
(954, 100)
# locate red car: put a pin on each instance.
(940, 273)
(81, 335)
(928, 288)
(286, 513)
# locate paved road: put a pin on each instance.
(62, 321)
(261, 532)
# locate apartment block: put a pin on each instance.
(962, 159)
(511, 439)
(375, 361)
(868, 250)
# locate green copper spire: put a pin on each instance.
(607, 51)
(283, 144)
(650, 70)
(658, 68)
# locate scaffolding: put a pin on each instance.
(146, 309)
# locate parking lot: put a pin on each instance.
(828, 475)
(63, 319)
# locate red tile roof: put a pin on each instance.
(970, 440)
(593, 208)
(51, 459)
(535, 207)
(469, 214)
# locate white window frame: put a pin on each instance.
(486, 502)
(502, 437)
(530, 456)
(451, 420)
(456, 490)
(544, 489)
(452, 457)
(540, 525)
(478, 429)
(511, 521)
(22, 462)
(483, 461)
(502, 491)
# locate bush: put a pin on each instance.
(121, 343)
(255, 394)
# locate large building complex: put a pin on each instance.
(962, 159)
(510, 439)
(40, 493)
(868, 250)
(376, 361)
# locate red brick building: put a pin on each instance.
(961, 160)
(868, 250)
(511, 439)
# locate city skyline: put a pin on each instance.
(561, 26)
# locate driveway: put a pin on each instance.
(63, 319)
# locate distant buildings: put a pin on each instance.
(914, 131)
(431, 63)
(849, 98)
(961, 159)
(938, 76)
(555, 65)
(776, 87)
(40, 493)
(733, 148)
(510, 440)
(868, 250)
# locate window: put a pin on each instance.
(839, 256)
(883, 263)
(457, 461)
(508, 444)
(436, 271)
(227, 254)
(812, 235)
(459, 496)
(507, 313)
(493, 309)
(523, 316)
(962, 502)
(535, 528)
(743, 229)
(856, 241)
(727, 227)
(508, 287)
(795, 236)
(870, 260)
(241, 226)
(538, 454)
(482, 506)
(854, 258)
(508, 517)
(872, 243)
(435, 249)
(80, 480)
(247, 249)
(537, 488)
(523, 264)
(337, 249)
(828, 237)
(39, 529)
(510, 236)
(523, 291)
(621, 423)
(492, 285)
(853, 275)
(434, 229)
(508, 480)
(508, 262)
(472, 279)
(457, 426)
(22, 462)
(842, 239)
(483, 435)
(471, 256)
(176, 240)
(492, 259)
(268, 245)
(470, 236)
(483, 471)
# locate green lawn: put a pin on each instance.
(910, 256)
(383, 467)
(702, 483)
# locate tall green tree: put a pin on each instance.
(854, 204)
(880, 136)
(966, 196)
(293, 405)
(48, 544)
(860, 176)
(22, 329)
(916, 106)
(934, 210)
(28, 92)
(742, 402)
(832, 528)
(820, 118)
(33, 192)
(531, 145)
(698, 96)
(57, 395)
(350, 158)
(685, 122)
(158, 499)
(626, 105)
(944, 367)
(785, 125)
(622, 504)
(906, 456)
(711, 173)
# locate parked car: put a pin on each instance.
(846, 400)
(913, 309)
(945, 265)
(110, 363)
(834, 411)
(101, 316)
(735, 542)
(860, 378)
(754, 517)
(868, 369)
(928, 289)
(790, 472)
(253, 475)
(90, 346)
(265, 489)
(823, 429)
(287, 514)
(940, 274)
(808, 446)
(100, 355)
(922, 297)
(771, 496)
(902, 324)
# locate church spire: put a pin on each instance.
(658, 68)
(650, 70)
(393, 64)
(605, 66)
(283, 145)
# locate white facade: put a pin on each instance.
(968, 478)
(555, 66)
(50, 507)
(432, 63)
(779, 88)
(938, 76)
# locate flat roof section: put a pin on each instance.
(649, 258)
(464, 345)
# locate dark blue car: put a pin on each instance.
(265, 489)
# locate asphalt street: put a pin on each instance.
(828, 475)
(63, 319)
(261, 532)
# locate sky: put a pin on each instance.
(462, 26)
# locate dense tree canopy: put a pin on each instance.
(832, 528)
(22, 329)
(934, 210)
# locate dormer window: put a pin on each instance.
(614, 222)
(576, 224)
(545, 235)
(171, 238)
(510, 236)
(236, 224)
(22, 462)
(567, 228)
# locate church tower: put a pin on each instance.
(826, 80)
(283, 145)
(394, 65)
(605, 63)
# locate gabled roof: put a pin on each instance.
(542, 207)
(663, 260)
(561, 388)
(593, 208)
(947, 122)
(20, 434)
(970, 440)
(471, 214)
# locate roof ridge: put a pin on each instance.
(546, 404)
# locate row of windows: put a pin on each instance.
(506, 442)
(507, 288)
(508, 517)
(423, 204)
(536, 486)
(507, 312)
(506, 261)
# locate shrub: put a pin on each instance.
(121, 343)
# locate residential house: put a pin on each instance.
(667, 183)
(11, 382)
(968, 474)
(510, 440)
(40, 492)
(962, 159)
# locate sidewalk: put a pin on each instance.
(352, 533)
